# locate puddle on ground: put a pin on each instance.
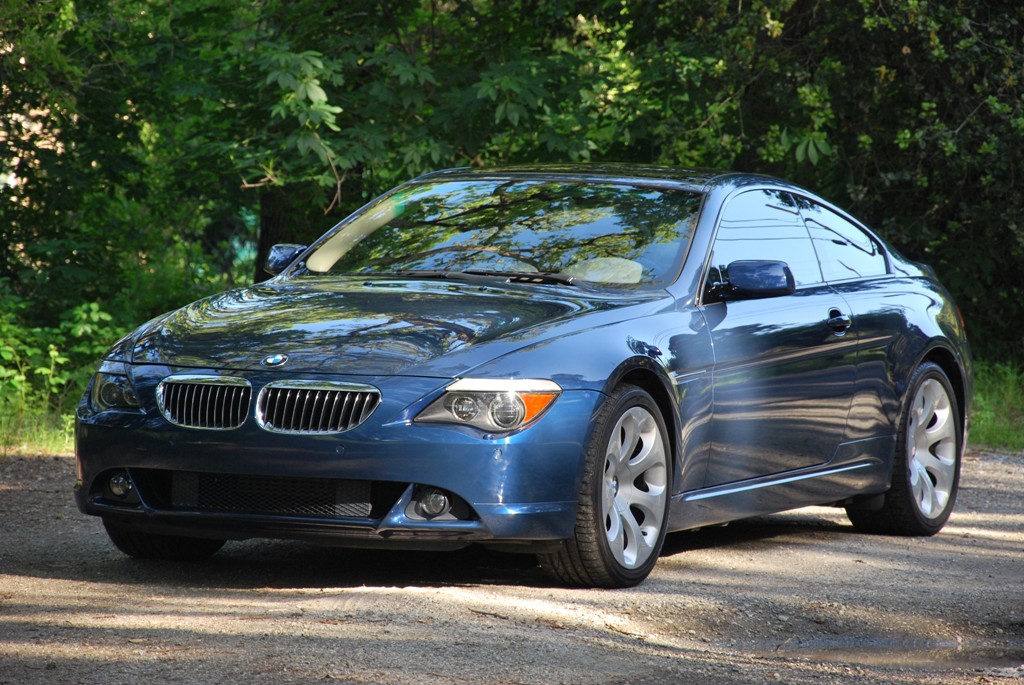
(960, 654)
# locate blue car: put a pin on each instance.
(570, 362)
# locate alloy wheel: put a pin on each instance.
(931, 448)
(634, 487)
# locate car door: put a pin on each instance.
(784, 367)
(854, 263)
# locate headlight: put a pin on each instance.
(495, 406)
(112, 388)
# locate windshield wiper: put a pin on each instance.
(526, 276)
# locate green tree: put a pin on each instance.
(150, 149)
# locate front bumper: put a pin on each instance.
(514, 488)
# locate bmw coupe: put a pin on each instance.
(571, 362)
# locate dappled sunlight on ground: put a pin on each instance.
(797, 597)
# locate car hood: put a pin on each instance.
(368, 327)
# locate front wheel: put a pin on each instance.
(622, 512)
(142, 545)
(926, 466)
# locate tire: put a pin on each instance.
(141, 545)
(622, 513)
(926, 465)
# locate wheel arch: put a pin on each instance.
(649, 377)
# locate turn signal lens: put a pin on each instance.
(493, 405)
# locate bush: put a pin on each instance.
(43, 371)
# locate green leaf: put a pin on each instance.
(801, 150)
(315, 93)
(812, 152)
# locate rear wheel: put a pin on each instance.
(141, 545)
(622, 513)
(926, 466)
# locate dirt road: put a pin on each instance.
(792, 598)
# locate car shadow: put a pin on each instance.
(283, 564)
(751, 531)
(287, 564)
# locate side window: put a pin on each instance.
(765, 224)
(844, 250)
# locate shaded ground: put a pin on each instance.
(793, 598)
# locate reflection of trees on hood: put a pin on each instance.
(544, 224)
(344, 325)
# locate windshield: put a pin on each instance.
(609, 233)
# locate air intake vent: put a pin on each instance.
(277, 496)
(314, 406)
(208, 402)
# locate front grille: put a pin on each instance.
(311, 497)
(211, 402)
(314, 406)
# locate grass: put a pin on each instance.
(25, 430)
(997, 420)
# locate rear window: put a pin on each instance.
(844, 250)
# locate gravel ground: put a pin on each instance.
(791, 598)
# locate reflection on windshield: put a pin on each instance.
(601, 233)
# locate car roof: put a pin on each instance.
(693, 179)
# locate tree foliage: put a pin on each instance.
(151, 149)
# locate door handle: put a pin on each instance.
(838, 322)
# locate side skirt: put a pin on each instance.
(771, 494)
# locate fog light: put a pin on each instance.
(120, 485)
(433, 503)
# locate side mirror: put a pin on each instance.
(281, 256)
(753, 279)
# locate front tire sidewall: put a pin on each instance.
(592, 489)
